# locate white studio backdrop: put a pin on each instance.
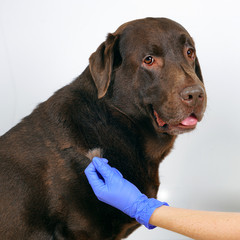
(45, 44)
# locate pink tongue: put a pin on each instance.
(189, 121)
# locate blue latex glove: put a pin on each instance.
(110, 187)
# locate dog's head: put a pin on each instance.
(149, 69)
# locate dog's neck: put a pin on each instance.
(156, 145)
(155, 149)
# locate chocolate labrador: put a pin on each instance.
(142, 88)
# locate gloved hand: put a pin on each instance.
(110, 187)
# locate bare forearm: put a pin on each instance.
(200, 225)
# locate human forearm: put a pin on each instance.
(199, 225)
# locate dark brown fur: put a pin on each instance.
(44, 192)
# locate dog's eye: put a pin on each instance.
(149, 60)
(191, 53)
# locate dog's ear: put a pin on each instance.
(198, 69)
(102, 62)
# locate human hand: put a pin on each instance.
(110, 187)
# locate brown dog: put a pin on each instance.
(143, 86)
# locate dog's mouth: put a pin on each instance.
(187, 124)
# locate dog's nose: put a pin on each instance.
(193, 96)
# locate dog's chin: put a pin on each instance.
(188, 124)
(174, 130)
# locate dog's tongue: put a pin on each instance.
(189, 121)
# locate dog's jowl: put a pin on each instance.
(142, 88)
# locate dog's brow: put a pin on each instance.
(157, 50)
(186, 40)
(189, 42)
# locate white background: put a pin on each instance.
(45, 44)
